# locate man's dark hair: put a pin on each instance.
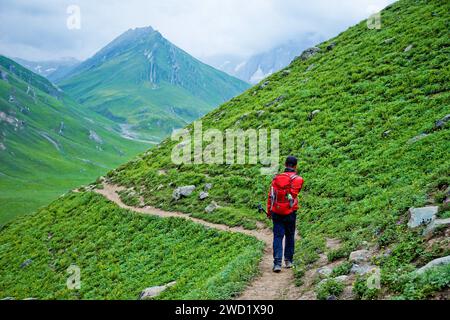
(291, 162)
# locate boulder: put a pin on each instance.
(420, 216)
(212, 207)
(437, 223)
(308, 53)
(441, 123)
(360, 256)
(435, 263)
(362, 269)
(324, 271)
(208, 186)
(152, 292)
(182, 192)
(286, 72)
(408, 48)
(203, 195)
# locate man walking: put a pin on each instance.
(282, 206)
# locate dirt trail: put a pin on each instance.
(267, 286)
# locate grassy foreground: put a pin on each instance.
(120, 253)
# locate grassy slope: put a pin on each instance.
(120, 253)
(359, 181)
(153, 107)
(32, 169)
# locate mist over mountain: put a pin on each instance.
(260, 66)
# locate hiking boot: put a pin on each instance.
(288, 264)
(276, 268)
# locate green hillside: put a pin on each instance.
(48, 145)
(120, 254)
(363, 117)
(143, 80)
(373, 151)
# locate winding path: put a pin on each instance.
(267, 286)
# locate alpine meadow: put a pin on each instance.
(366, 113)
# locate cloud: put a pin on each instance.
(37, 29)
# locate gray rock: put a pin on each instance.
(389, 41)
(313, 114)
(436, 224)
(308, 53)
(152, 292)
(212, 207)
(417, 138)
(259, 113)
(435, 263)
(182, 192)
(360, 256)
(26, 263)
(342, 278)
(408, 48)
(420, 216)
(441, 123)
(208, 186)
(362, 269)
(286, 72)
(324, 271)
(203, 195)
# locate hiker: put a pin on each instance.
(282, 206)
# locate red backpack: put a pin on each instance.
(280, 197)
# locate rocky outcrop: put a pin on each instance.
(308, 53)
(182, 192)
(152, 292)
(422, 216)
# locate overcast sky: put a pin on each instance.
(37, 29)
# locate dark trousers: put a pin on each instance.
(283, 226)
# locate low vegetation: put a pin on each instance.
(120, 253)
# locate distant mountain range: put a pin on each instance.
(260, 66)
(148, 85)
(53, 70)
